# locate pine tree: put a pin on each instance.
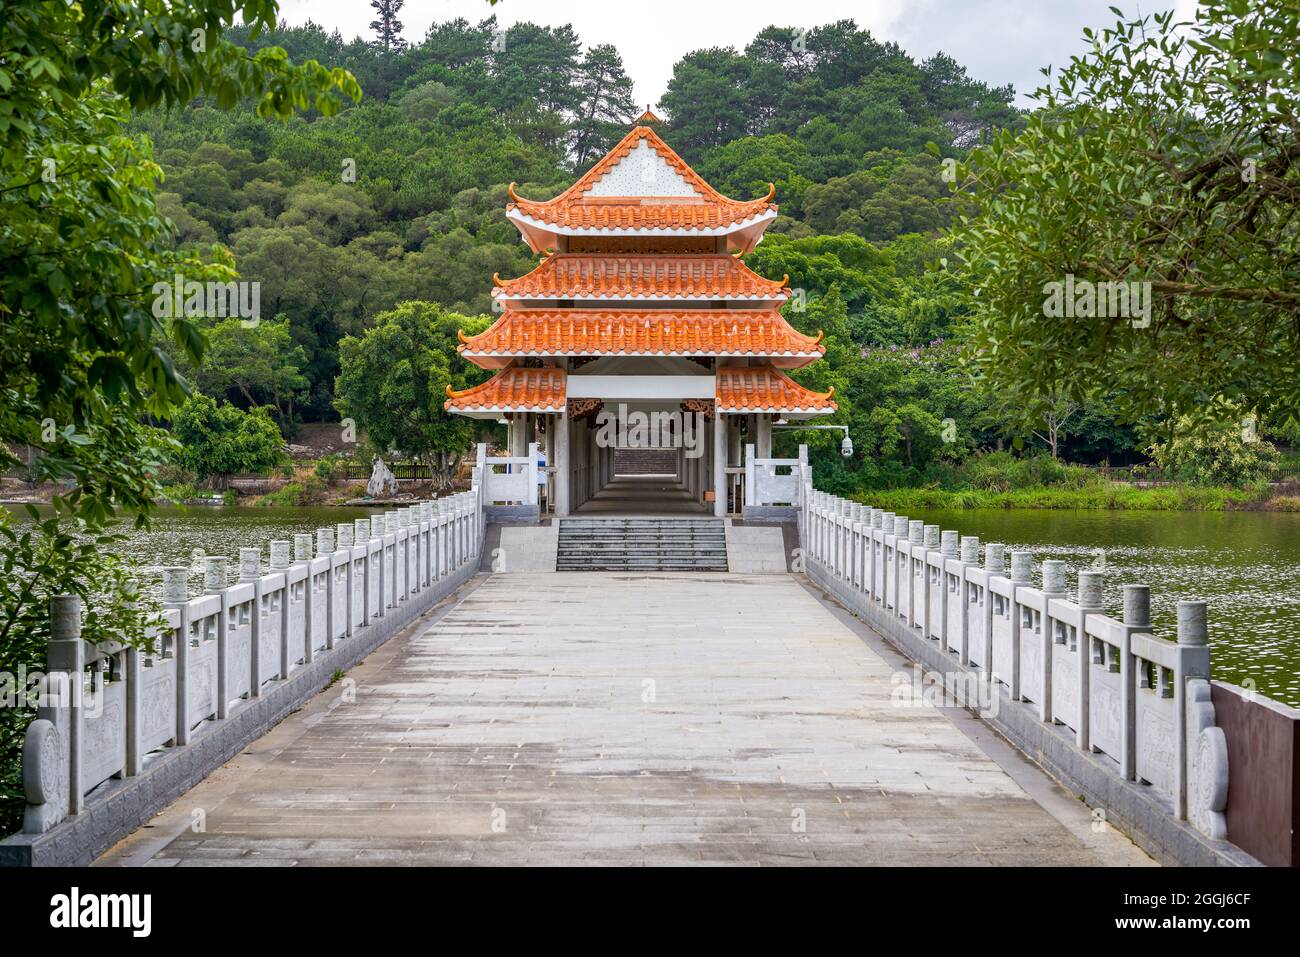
(388, 28)
(606, 105)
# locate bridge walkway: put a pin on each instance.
(611, 718)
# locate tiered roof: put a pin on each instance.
(648, 277)
(512, 390)
(641, 187)
(737, 390)
(641, 332)
(679, 227)
(764, 389)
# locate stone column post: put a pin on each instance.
(214, 583)
(764, 437)
(720, 440)
(66, 659)
(1021, 570)
(1137, 618)
(1090, 603)
(345, 532)
(1053, 587)
(250, 570)
(1193, 662)
(280, 563)
(562, 466)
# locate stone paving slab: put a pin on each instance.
(619, 718)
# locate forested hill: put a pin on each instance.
(401, 196)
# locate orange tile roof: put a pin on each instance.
(765, 389)
(512, 390)
(589, 276)
(682, 332)
(708, 209)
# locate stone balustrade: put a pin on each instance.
(1135, 704)
(222, 667)
(509, 483)
(772, 486)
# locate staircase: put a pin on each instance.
(642, 544)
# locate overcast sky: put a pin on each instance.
(998, 41)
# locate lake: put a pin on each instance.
(1245, 564)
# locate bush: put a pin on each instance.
(1225, 454)
(1004, 472)
(220, 439)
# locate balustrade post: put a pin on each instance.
(994, 565)
(1053, 587)
(915, 542)
(1021, 571)
(930, 538)
(1137, 618)
(325, 549)
(134, 672)
(280, 563)
(66, 660)
(948, 549)
(361, 527)
(969, 556)
(1090, 603)
(1193, 661)
(175, 594)
(250, 570)
(214, 583)
(345, 533)
(303, 555)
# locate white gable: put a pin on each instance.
(642, 172)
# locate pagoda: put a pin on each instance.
(641, 302)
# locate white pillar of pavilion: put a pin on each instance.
(764, 443)
(720, 465)
(560, 446)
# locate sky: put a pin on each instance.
(998, 41)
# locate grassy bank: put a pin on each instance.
(1112, 495)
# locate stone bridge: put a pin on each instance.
(388, 695)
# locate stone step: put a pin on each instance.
(641, 544)
(641, 566)
(633, 539)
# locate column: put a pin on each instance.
(720, 465)
(560, 449)
(764, 436)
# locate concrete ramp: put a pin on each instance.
(756, 549)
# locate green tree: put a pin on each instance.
(1164, 158)
(219, 439)
(388, 29)
(605, 106)
(82, 360)
(393, 382)
(256, 361)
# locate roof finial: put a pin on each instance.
(514, 197)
